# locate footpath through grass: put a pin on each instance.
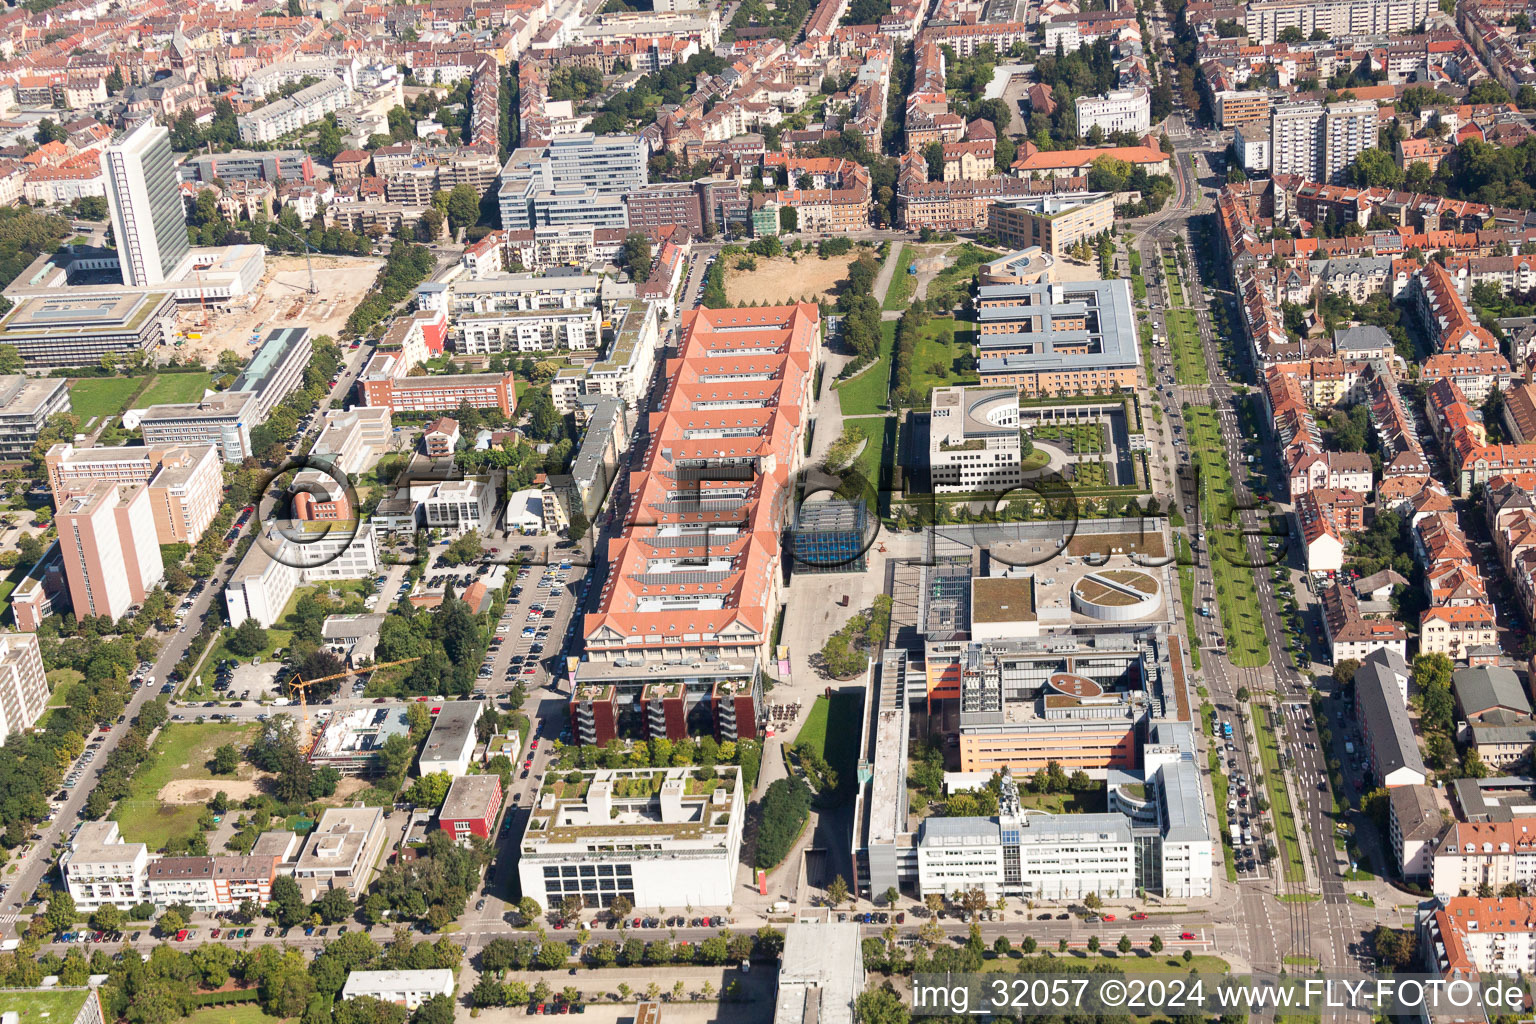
(1236, 595)
(1287, 837)
(900, 292)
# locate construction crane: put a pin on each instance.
(313, 290)
(302, 685)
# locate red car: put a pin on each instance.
(181, 936)
(215, 933)
(1138, 917)
(1187, 936)
(1108, 917)
(534, 745)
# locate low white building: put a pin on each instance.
(451, 743)
(525, 511)
(404, 988)
(657, 836)
(342, 850)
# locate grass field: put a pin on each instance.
(869, 393)
(967, 259)
(1286, 835)
(940, 347)
(238, 1013)
(1219, 785)
(1080, 802)
(867, 466)
(1133, 962)
(832, 730)
(171, 388)
(899, 294)
(181, 752)
(94, 398)
(1236, 595)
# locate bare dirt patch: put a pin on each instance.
(347, 787)
(200, 791)
(282, 299)
(784, 279)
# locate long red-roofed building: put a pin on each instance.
(693, 576)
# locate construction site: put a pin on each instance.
(283, 299)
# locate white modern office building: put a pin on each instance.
(973, 439)
(285, 556)
(657, 836)
(575, 179)
(224, 420)
(1030, 855)
(144, 200)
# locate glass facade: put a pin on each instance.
(829, 536)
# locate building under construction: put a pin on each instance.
(351, 741)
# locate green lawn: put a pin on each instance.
(1220, 786)
(832, 730)
(968, 258)
(1236, 595)
(869, 393)
(1187, 592)
(1287, 838)
(937, 354)
(1131, 963)
(94, 398)
(61, 679)
(1183, 334)
(237, 1013)
(900, 292)
(182, 751)
(172, 388)
(1079, 802)
(866, 467)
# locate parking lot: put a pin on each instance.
(536, 627)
